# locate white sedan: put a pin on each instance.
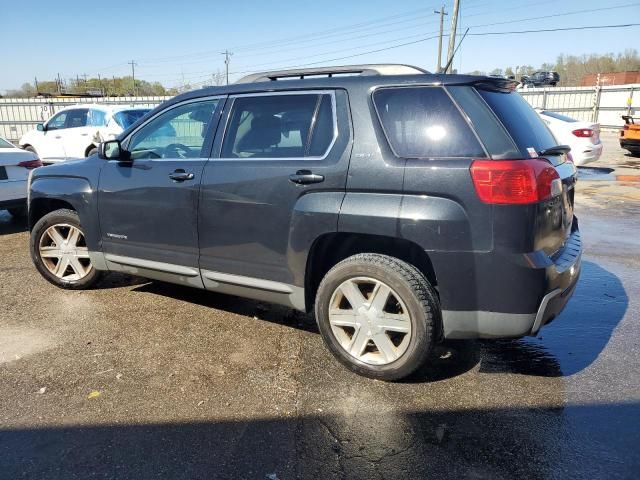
(75, 132)
(582, 137)
(14, 172)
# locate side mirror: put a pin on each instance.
(40, 127)
(112, 150)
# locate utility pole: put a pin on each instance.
(442, 14)
(59, 83)
(133, 75)
(227, 54)
(37, 89)
(452, 34)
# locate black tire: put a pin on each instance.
(18, 212)
(415, 291)
(62, 216)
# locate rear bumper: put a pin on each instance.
(588, 154)
(630, 143)
(561, 275)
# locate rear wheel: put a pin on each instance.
(59, 251)
(378, 315)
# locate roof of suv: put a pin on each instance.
(348, 76)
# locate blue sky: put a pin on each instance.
(175, 41)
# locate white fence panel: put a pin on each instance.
(19, 115)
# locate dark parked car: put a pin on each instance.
(541, 79)
(404, 208)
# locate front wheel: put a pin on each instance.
(378, 315)
(60, 253)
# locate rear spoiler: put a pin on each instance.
(493, 84)
(629, 120)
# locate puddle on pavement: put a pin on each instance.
(596, 173)
(607, 174)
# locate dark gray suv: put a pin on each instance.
(404, 208)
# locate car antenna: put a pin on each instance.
(446, 67)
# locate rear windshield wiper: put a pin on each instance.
(557, 150)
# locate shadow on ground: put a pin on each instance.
(575, 339)
(571, 343)
(598, 441)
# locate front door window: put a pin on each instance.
(177, 133)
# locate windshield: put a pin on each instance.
(558, 116)
(126, 118)
(5, 144)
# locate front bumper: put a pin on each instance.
(561, 274)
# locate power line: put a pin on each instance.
(564, 29)
(587, 27)
(207, 72)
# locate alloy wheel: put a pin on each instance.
(370, 320)
(64, 252)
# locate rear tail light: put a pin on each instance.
(625, 127)
(31, 164)
(583, 132)
(515, 182)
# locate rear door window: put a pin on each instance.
(77, 118)
(279, 126)
(521, 121)
(423, 122)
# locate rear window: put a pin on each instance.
(521, 121)
(423, 122)
(5, 144)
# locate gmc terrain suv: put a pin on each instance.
(403, 207)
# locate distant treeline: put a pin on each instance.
(114, 86)
(573, 67)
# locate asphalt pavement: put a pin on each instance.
(147, 380)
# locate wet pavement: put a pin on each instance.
(143, 380)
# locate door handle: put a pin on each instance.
(305, 177)
(180, 175)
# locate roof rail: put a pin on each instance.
(300, 73)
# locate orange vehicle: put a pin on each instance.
(630, 135)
